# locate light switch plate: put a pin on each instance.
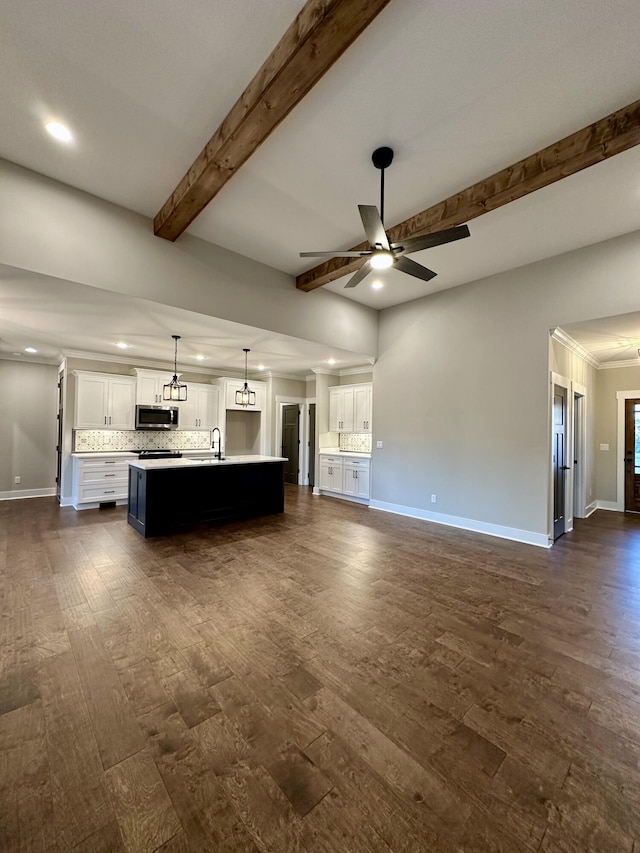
(379, 445)
(604, 447)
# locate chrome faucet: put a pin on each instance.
(213, 442)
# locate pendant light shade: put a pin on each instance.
(174, 390)
(245, 397)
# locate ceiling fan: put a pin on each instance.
(382, 253)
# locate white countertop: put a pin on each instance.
(335, 451)
(203, 459)
(104, 454)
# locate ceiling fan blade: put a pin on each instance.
(335, 254)
(357, 277)
(412, 268)
(428, 241)
(373, 227)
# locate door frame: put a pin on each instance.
(303, 455)
(622, 396)
(579, 392)
(562, 382)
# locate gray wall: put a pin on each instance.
(28, 426)
(242, 434)
(53, 229)
(608, 384)
(462, 383)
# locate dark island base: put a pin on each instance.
(162, 500)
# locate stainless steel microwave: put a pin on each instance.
(156, 417)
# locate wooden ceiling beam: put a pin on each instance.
(320, 34)
(603, 139)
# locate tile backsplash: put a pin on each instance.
(96, 440)
(356, 442)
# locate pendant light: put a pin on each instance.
(174, 390)
(246, 397)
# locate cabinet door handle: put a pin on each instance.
(109, 420)
(105, 420)
(110, 492)
(109, 475)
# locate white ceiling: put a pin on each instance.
(609, 339)
(459, 89)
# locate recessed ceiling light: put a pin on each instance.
(261, 367)
(331, 361)
(122, 345)
(30, 349)
(200, 357)
(59, 131)
(377, 284)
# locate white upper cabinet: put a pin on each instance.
(200, 409)
(362, 397)
(229, 388)
(149, 386)
(350, 408)
(341, 408)
(104, 401)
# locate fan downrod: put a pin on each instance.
(382, 158)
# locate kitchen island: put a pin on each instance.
(167, 494)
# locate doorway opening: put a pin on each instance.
(290, 446)
(632, 455)
(561, 432)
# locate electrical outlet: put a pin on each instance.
(434, 499)
(17, 480)
(379, 445)
(106, 439)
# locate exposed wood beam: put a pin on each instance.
(320, 34)
(602, 139)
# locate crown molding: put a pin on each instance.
(567, 341)
(611, 365)
(273, 375)
(324, 371)
(353, 371)
(139, 362)
(31, 359)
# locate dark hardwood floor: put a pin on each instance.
(332, 679)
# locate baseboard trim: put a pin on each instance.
(589, 510)
(351, 498)
(612, 506)
(528, 537)
(316, 491)
(21, 494)
(66, 502)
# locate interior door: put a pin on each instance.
(312, 444)
(559, 458)
(632, 456)
(291, 442)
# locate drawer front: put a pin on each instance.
(103, 464)
(357, 463)
(106, 492)
(103, 475)
(332, 460)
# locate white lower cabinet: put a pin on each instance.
(97, 481)
(345, 475)
(355, 480)
(331, 473)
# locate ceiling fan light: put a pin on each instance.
(381, 260)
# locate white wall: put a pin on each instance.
(53, 229)
(461, 385)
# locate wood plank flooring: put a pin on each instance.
(332, 679)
